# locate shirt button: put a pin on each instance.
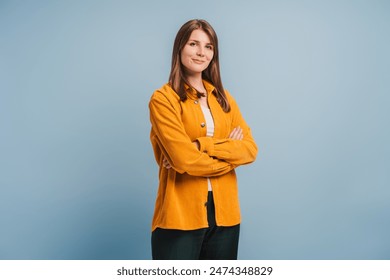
(202, 124)
(196, 101)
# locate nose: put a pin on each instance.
(200, 52)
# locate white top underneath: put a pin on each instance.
(210, 130)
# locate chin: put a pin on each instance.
(195, 70)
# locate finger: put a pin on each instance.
(237, 133)
(241, 134)
(196, 143)
(166, 164)
(232, 133)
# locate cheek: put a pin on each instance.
(210, 55)
(183, 58)
(185, 54)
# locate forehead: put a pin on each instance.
(200, 36)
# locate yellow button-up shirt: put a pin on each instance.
(182, 191)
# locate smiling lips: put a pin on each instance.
(198, 61)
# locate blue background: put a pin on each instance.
(78, 177)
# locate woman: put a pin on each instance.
(199, 137)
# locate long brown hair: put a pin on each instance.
(177, 77)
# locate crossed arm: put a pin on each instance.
(206, 156)
(236, 134)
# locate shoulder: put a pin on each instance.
(165, 93)
(228, 94)
(165, 97)
(230, 98)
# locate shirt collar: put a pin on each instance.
(192, 93)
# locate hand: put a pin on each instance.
(196, 143)
(236, 134)
(166, 164)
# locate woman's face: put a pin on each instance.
(197, 52)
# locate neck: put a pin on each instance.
(197, 82)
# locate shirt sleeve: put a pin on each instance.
(236, 152)
(176, 145)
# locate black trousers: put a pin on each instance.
(212, 243)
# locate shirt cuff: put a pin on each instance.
(206, 145)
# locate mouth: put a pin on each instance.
(198, 61)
